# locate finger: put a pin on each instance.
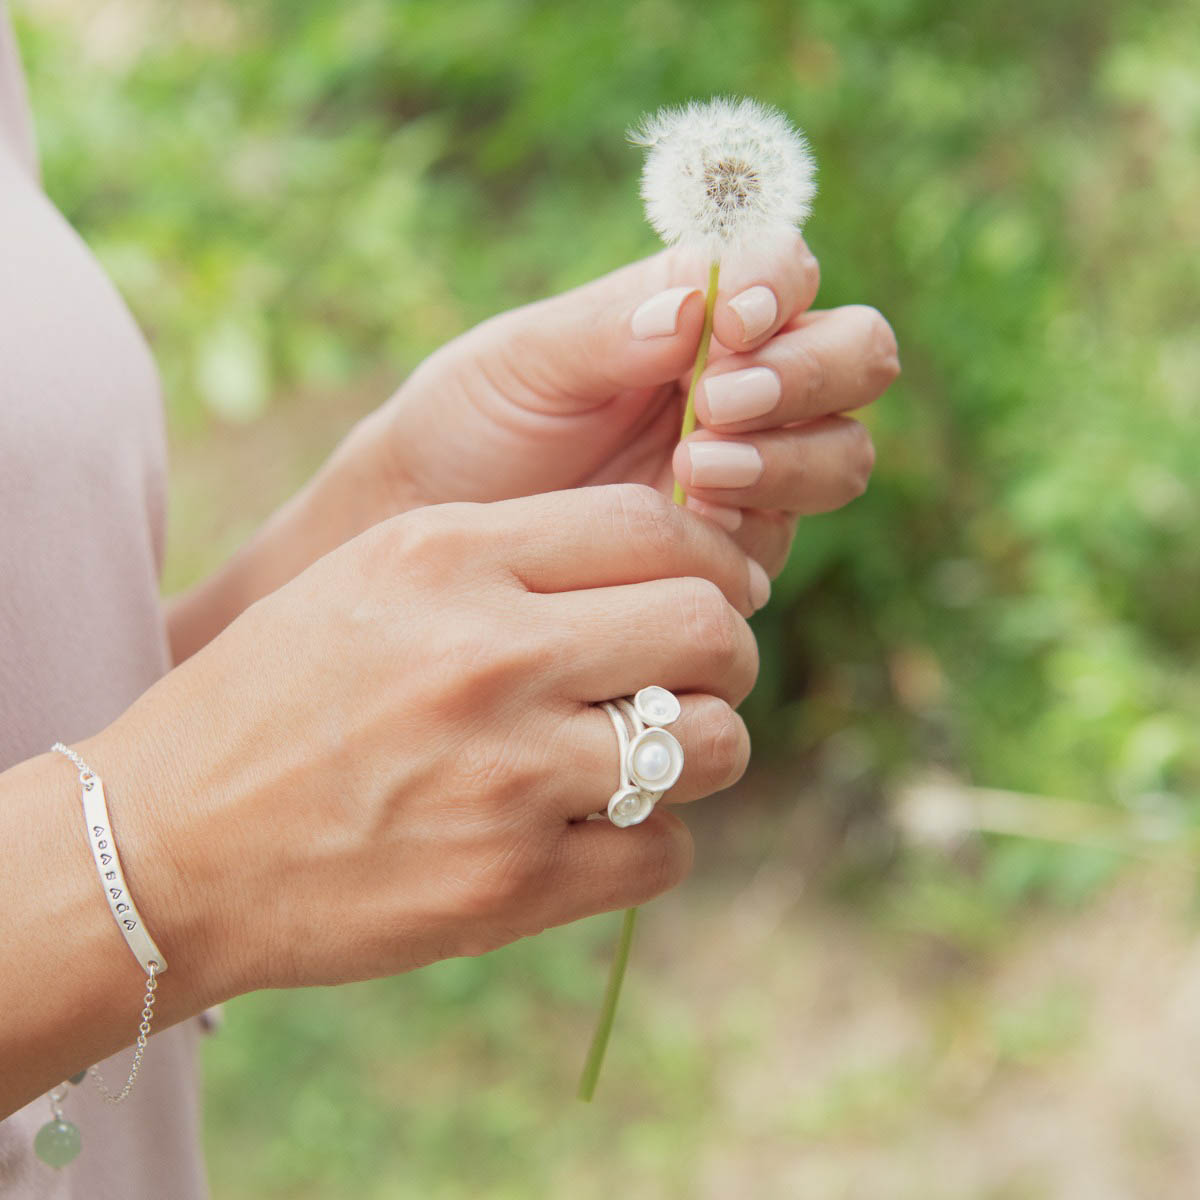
(765, 535)
(828, 362)
(681, 634)
(600, 867)
(616, 534)
(637, 328)
(803, 469)
(762, 291)
(716, 752)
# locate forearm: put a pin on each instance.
(351, 492)
(70, 989)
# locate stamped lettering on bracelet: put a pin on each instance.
(122, 911)
(112, 880)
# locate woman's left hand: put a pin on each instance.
(589, 387)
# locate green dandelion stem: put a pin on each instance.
(689, 413)
(608, 1011)
(616, 974)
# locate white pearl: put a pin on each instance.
(652, 761)
(630, 807)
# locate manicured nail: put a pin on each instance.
(742, 395)
(724, 464)
(760, 585)
(729, 519)
(659, 316)
(757, 309)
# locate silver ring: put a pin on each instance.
(651, 759)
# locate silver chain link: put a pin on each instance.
(86, 774)
(143, 1034)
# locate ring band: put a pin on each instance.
(650, 759)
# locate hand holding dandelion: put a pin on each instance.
(719, 178)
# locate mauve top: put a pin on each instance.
(82, 505)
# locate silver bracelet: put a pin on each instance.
(108, 864)
(58, 1142)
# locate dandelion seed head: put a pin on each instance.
(724, 174)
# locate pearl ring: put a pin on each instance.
(651, 760)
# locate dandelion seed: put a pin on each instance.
(724, 174)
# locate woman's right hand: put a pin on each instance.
(389, 760)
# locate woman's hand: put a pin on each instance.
(388, 761)
(589, 387)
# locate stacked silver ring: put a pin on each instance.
(651, 758)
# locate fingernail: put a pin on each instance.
(724, 464)
(742, 395)
(659, 316)
(729, 519)
(757, 309)
(760, 585)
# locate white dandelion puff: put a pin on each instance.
(724, 174)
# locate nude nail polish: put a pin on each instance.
(760, 585)
(742, 395)
(659, 316)
(756, 308)
(724, 464)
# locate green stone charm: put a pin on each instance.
(57, 1143)
(78, 1079)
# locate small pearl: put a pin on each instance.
(653, 761)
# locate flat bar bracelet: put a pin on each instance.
(58, 1142)
(108, 864)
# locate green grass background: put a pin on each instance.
(300, 200)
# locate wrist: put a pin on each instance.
(359, 485)
(168, 854)
(369, 476)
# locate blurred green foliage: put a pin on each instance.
(298, 195)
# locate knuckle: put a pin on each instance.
(728, 746)
(749, 674)
(636, 499)
(645, 514)
(435, 539)
(711, 622)
(883, 351)
(862, 460)
(813, 267)
(812, 371)
(719, 633)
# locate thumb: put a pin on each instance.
(576, 350)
